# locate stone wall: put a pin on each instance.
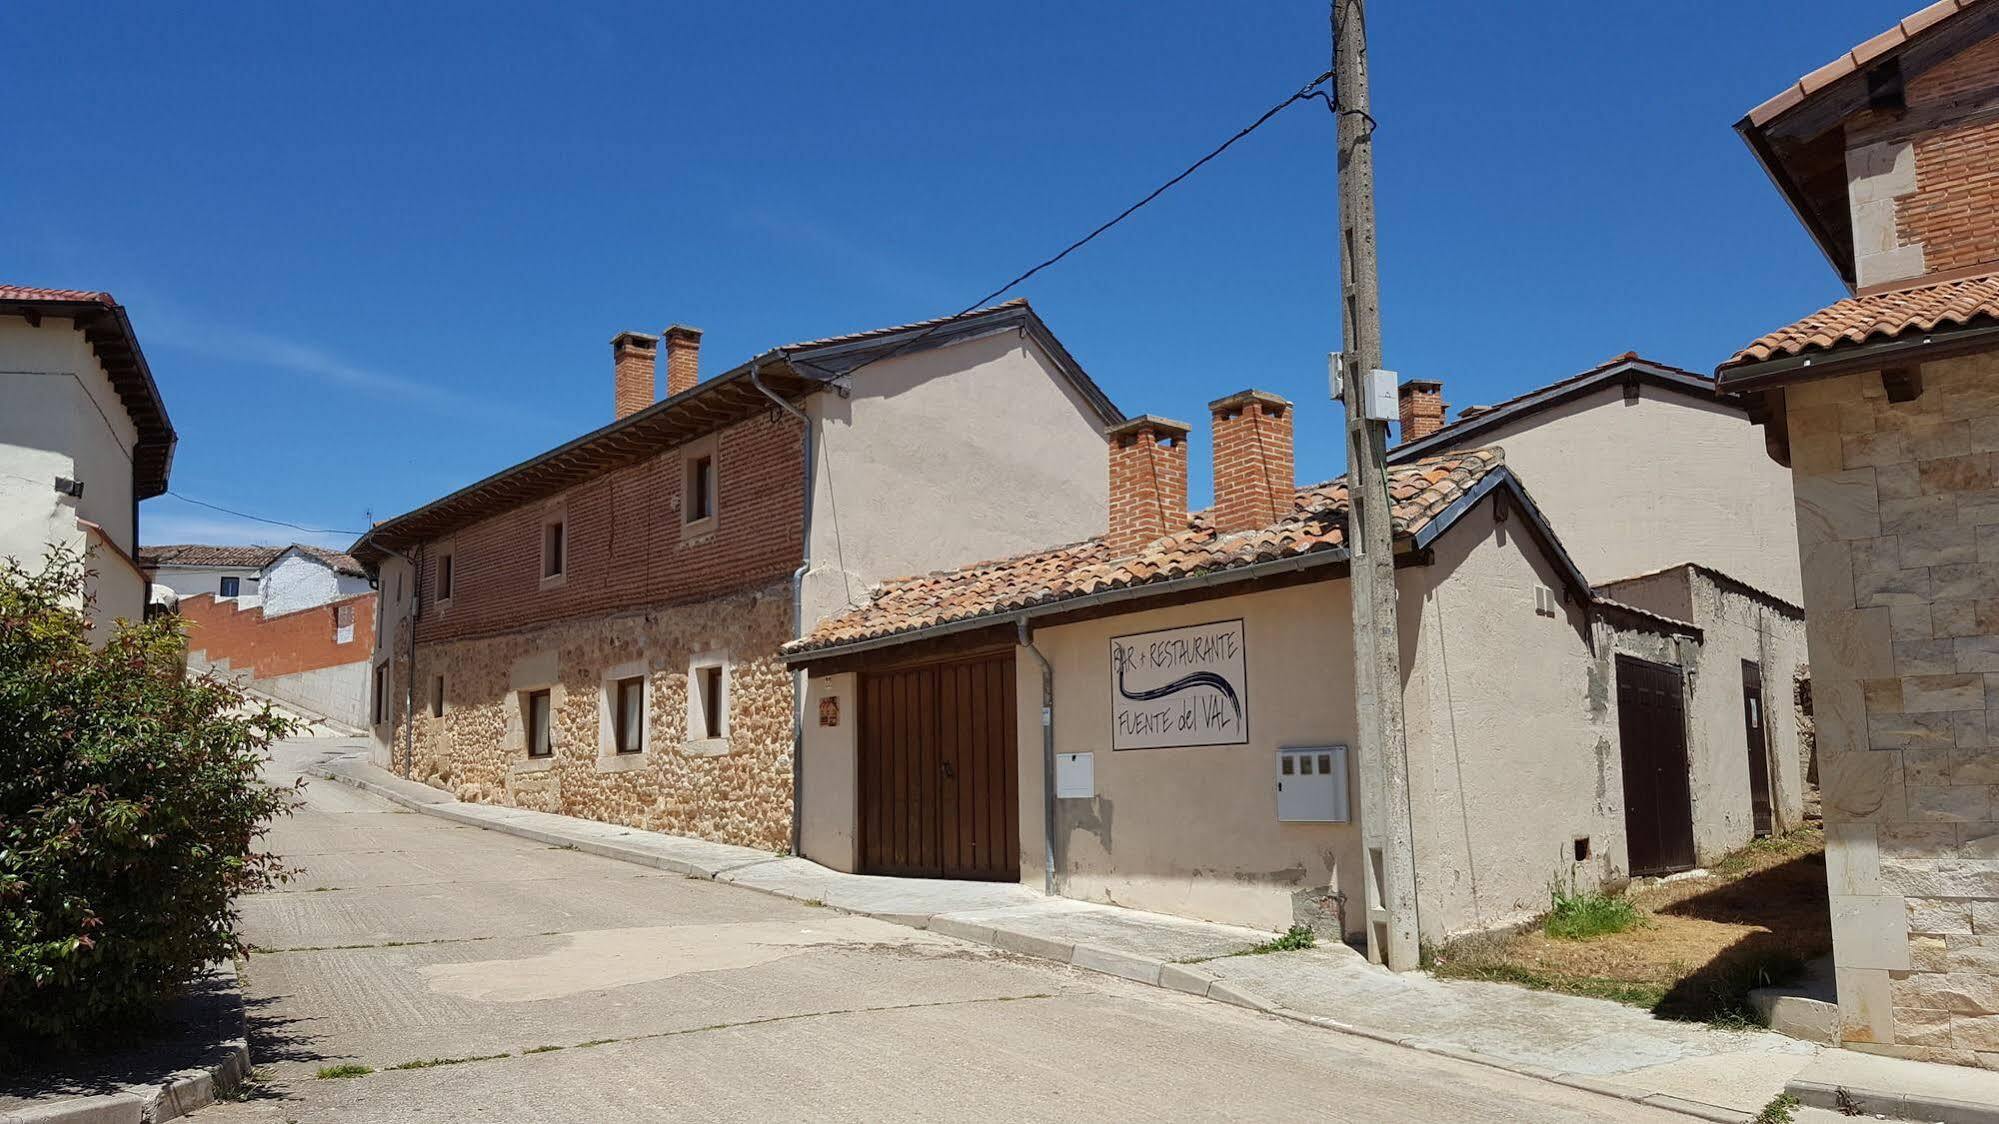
(1898, 528)
(735, 789)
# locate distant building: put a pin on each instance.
(227, 573)
(300, 577)
(84, 436)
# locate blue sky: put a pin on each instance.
(376, 251)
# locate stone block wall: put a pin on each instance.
(1898, 530)
(736, 789)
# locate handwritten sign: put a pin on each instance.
(1179, 687)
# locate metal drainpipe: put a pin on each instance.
(797, 612)
(1047, 756)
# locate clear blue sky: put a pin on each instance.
(376, 251)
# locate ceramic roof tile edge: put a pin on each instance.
(1446, 498)
(1856, 325)
(1629, 364)
(124, 361)
(828, 360)
(1656, 622)
(337, 561)
(1789, 609)
(1854, 60)
(202, 555)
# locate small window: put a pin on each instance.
(628, 714)
(444, 577)
(700, 489)
(711, 702)
(539, 743)
(381, 693)
(232, 587)
(552, 549)
(437, 697)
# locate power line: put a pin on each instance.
(259, 518)
(1306, 92)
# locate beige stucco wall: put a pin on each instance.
(736, 789)
(938, 458)
(1898, 527)
(60, 416)
(830, 811)
(1667, 479)
(1509, 753)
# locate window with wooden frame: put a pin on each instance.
(554, 547)
(708, 698)
(628, 714)
(437, 696)
(700, 487)
(446, 572)
(535, 718)
(381, 693)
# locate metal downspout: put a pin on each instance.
(1047, 756)
(797, 612)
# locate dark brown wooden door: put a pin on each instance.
(1755, 723)
(939, 792)
(1658, 802)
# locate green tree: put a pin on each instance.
(131, 809)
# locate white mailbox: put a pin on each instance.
(1312, 784)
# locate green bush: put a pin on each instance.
(1581, 916)
(130, 813)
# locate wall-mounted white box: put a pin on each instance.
(1075, 776)
(1312, 784)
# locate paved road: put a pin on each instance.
(620, 993)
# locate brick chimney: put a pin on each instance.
(1423, 408)
(1148, 498)
(632, 372)
(683, 358)
(1254, 485)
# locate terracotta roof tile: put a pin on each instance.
(1317, 522)
(1856, 59)
(334, 559)
(30, 293)
(1880, 316)
(191, 554)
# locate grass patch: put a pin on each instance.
(1782, 1109)
(1294, 939)
(430, 1063)
(333, 1072)
(1646, 995)
(540, 1050)
(1588, 915)
(595, 1042)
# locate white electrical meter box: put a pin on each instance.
(1075, 776)
(1378, 399)
(1312, 784)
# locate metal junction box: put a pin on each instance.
(1312, 784)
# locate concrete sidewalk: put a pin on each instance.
(1584, 1043)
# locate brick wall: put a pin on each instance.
(626, 544)
(1954, 211)
(1148, 482)
(1422, 408)
(1898, 529)
(280, 645)
(1254, 474)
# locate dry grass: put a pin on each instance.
(1700, 946)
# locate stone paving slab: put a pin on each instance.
(208, 1052)
(1582, 1043)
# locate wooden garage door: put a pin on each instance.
(1658, 799)
(939, 793)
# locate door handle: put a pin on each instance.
(949, 772)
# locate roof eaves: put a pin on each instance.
(1555, 393)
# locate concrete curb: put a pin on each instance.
(180, 1093)
(1893, 1106)
(1188, 979)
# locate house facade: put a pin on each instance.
(1160, 715)
(596, 631)
(84, 436)
(1885, 408)
(226, 573)
(301, 577)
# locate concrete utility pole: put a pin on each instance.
(1386, 832)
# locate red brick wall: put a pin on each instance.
(1254, 473)
(1954, 211)
(1148, 485)
(626, 549)
(1422, 408)
(283, 645)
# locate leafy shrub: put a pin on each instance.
(1294, 939)
(1581, 916)
(130, 810)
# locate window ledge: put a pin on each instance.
(699, 531)
(534, 765)
(621, 762)
(705, 747)
(555, 581)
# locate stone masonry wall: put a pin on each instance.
(736, 789)
(1898, 529)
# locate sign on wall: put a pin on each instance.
(1180, 687)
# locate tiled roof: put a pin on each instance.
(1856, 59)
(30, 293)
(335, 560)
(190, 554)
(871, 333)
(1420, 491)
(1880, 316)
(1629, 364)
